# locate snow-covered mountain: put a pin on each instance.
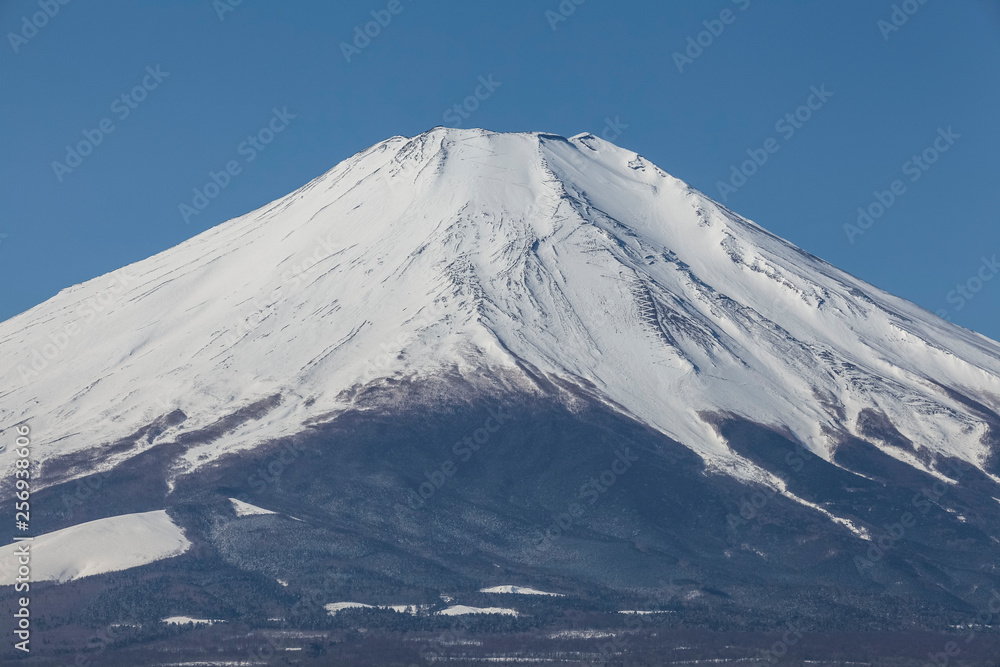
(469, 361)
(475, 252)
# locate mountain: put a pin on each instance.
(469, 359)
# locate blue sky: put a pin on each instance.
(211, 74)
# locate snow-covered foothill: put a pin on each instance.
(462, 610)
(95, 547)
(518, 590)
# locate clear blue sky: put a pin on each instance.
(220, 79)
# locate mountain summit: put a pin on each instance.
(469, 353)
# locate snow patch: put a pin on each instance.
(96, 547)
(182, 620)
(246, 509)
(413, 609)
(334, 607)
(518, 590)
(581, 634)
(462, 610)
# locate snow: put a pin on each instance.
(246, 509)
(462, 610)
(486, 251)
(518, 590)
(334, 607)
(779, 485)
(413, 609)
(511, 659)
(182, 620)
(105, 545)
(582, 634)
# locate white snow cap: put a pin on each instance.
(479, 249)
